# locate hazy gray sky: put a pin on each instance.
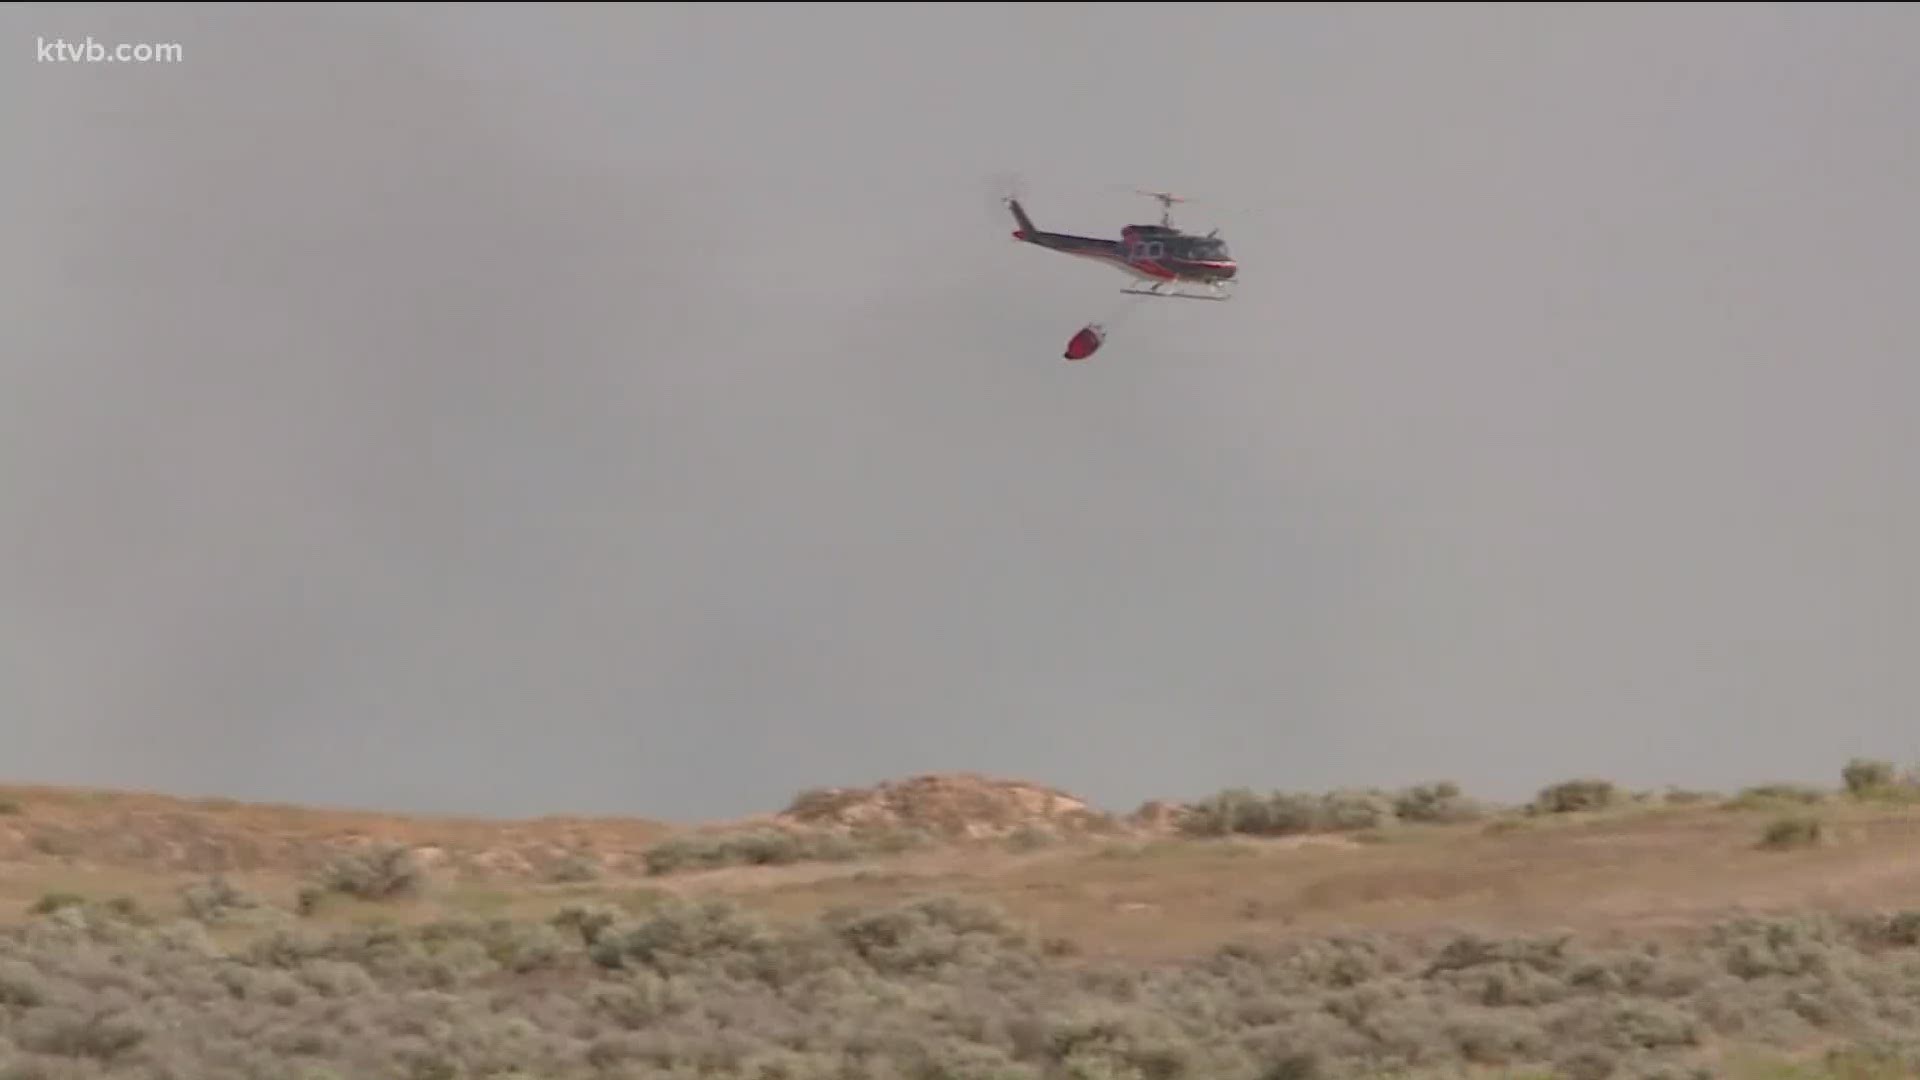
(645, 409)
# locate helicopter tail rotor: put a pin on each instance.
(1001, 189)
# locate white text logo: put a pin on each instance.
(89, 51)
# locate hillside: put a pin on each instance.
(1584, 855)
(1770, 913)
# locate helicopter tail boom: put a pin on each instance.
(1020, 216)
(1068, 243)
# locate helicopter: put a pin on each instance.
(1174, 264)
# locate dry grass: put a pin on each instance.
(1637, 872)
(1644, 866)
(167, 835)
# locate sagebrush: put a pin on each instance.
(931, 987)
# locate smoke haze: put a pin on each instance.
(644, 410)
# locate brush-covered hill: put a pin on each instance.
(963, 927)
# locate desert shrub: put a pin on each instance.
(925, 934)
(1241, 811)
(126, 909)
(589, 921)
(54, 901)
(1765, 796)
(382, 872)
(1799, 830)
(574, 869)
(1754, 949)
(216, 900)
(67, 1031)
(690, 938)
(1863, 775)
(927, 988)
(1234, 810)
(775, 847)
(510, 945)
(1904, 791)
(1878, 781)
(1437, 804)
(1346, 811)
(10, 805)
(1573, 796)
(1289, 813)
(21, 986)
(1885, 930)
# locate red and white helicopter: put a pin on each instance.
(1172, 263)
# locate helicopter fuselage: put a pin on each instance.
(1154, 253)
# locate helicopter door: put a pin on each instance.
(1147, 249)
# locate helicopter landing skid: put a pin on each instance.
(1176, 294)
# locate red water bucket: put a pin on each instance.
(1084, 343)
